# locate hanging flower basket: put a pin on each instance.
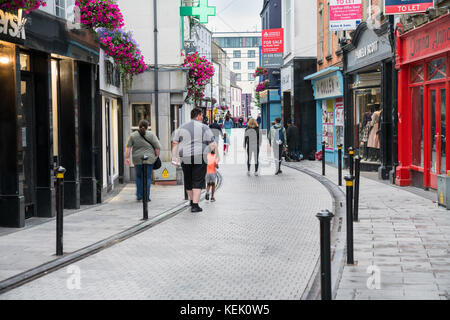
(100, 14)
(27, 5)
(121, 46)
(260, 71)
(200, 73)
(262, 86)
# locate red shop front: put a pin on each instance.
(422, 58)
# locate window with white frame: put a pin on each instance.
(60, 8)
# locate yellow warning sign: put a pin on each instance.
(442, 198)
(165, 173)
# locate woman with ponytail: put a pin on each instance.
(142, 143)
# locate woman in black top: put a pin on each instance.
(252, 143)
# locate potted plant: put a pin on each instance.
(100, 14)
(27, 5)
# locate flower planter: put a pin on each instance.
(27, 5)
(100, 14)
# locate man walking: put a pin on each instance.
(292, 139)
(191, 143)
(277, 140)
(217, 130)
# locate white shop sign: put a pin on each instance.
(327, 87)
(12, 25)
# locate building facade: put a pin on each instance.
(48, 116)
(243, 51)
(299, 60)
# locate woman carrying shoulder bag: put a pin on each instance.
(143, 142)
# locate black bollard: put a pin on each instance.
(60, 171)
(349, 183)
(356, 200)
(340, 165)
(323, 158)
(144, 186)
(325, 217)
(351, 154)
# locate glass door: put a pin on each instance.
(437, 96)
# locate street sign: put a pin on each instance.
(345, 14)
(202, 11)
(406, 6)
(272, 60)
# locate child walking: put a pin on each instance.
(226, 143)
(211, 175)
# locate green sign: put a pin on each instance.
(202, 11)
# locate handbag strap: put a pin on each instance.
(143, 136)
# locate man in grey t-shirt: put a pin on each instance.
(191, 143)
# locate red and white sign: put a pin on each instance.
(272, 41)
(345, 14)
(406, 6)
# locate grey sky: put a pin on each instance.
(235, 15)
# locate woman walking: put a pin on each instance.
(252, 143)
(142, 143)
(228, 124)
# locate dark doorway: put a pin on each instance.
(287, 114)
(26, 145)
(108, 143)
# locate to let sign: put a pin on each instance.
(272, 41)
(406, 6)
(345, 14)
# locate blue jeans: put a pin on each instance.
(138, 168)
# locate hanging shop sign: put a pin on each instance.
(272, 48)
(428, 40)
(327, 87)
(406, 6)
(345, 14)
(202, 11)
(12, 25)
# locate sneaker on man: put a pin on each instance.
(196, 209)
(248, 173)
(256, 173)
(207, 196)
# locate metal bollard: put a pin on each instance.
(325, 217)
(356, 200)
(60, 171)
(349, 183)
(323, 158)
(340, 165)
(144, 187)
(351, 154)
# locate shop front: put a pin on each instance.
(270, 107)
(328, 92)
(422, 58)
(368, 98)
(47, 115)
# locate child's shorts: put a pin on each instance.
(211, 178)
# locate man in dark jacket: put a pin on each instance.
(217, 130)
(292, 138)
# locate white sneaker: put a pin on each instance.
(248, 173)
(256, 174)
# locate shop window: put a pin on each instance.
(25, 62)
(60, 8)
(416, 74)
(140, 112)
(367, 123)
(437, 69)
(417, 126)
(328, 123)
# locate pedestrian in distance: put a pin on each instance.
(277, 140)
(252, 144)
(228, 124)
(211, 175)
(226, 143)
(217, 130)
(293, 140)
(191, 144)
(142, 142)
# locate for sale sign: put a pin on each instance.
(345, 14)
(406, 6)
(272, 41)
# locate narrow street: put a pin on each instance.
(259, 240)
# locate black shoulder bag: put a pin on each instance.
(157, 163)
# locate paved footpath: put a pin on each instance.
(404, 236)
(259, 240)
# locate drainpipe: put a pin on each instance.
(155, 32)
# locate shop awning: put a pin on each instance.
(322, 73)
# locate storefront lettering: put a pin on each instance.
(416, 46)
(367, 50)
(441, 37)
(12, 25)
(327, 87)
(420, 44)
